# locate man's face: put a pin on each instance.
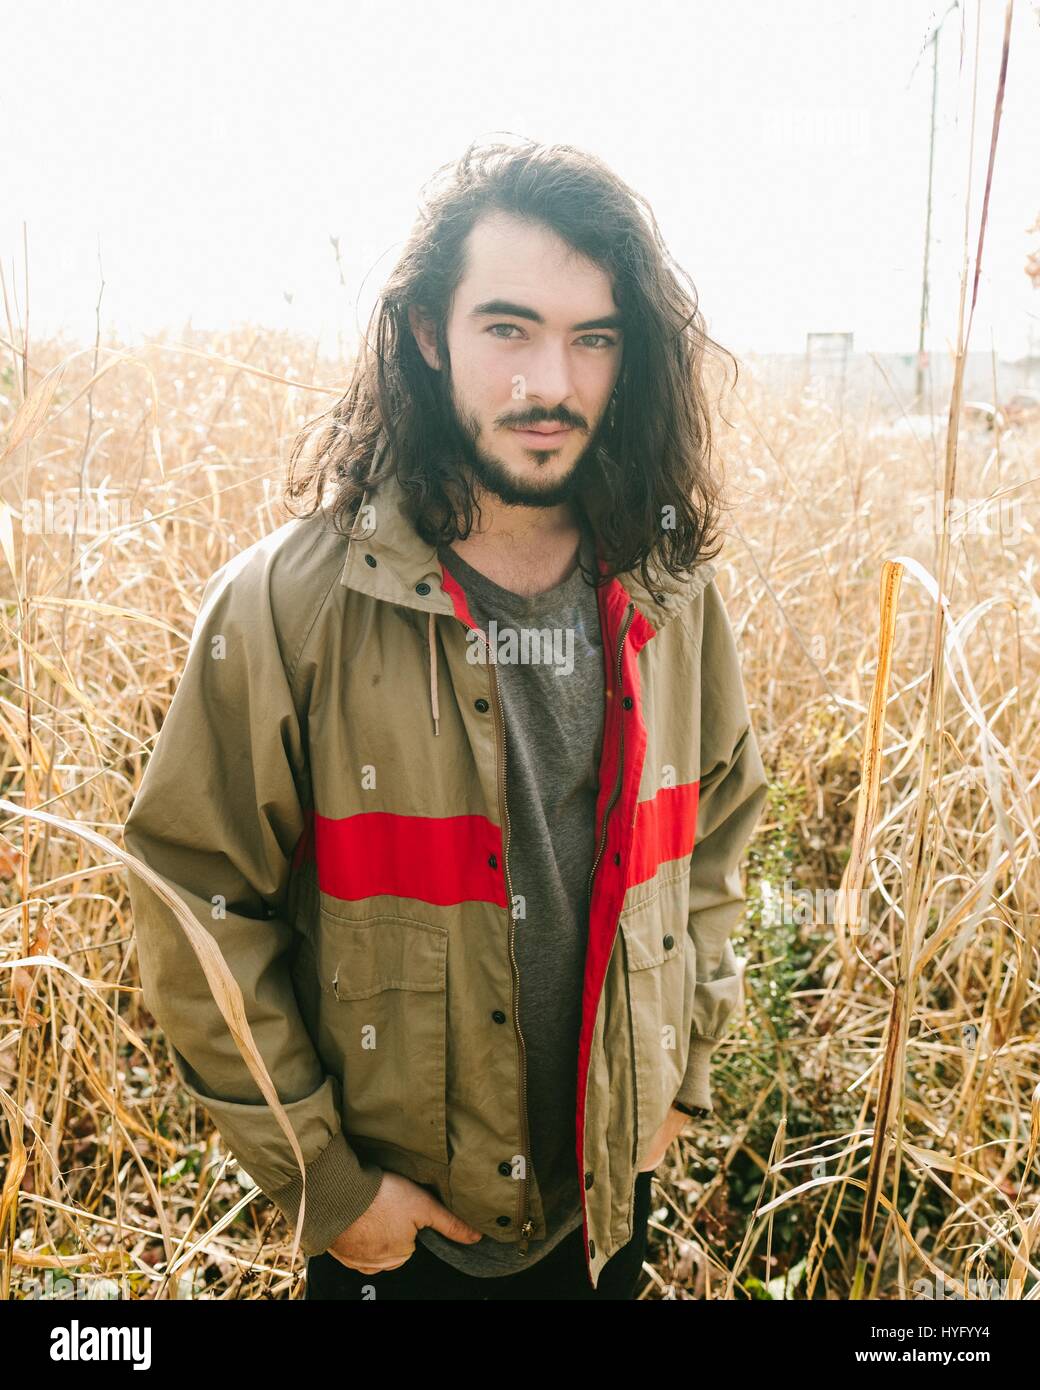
(535, 341)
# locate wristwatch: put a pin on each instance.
(697, 1111)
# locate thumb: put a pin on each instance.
(450, 1225)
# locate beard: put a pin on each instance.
(494, 475)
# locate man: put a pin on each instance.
(466, 826)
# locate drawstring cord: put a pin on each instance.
(434, 705)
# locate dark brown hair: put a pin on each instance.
(654, 448)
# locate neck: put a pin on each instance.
(526, 550)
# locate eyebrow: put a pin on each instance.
(497, 307)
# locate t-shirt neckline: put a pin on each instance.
(565, 592)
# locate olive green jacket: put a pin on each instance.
(327, 796)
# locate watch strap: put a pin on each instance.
(697, 1111)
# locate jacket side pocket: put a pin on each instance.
(661, 970)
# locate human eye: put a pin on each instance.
(606, 341)
(500, 336)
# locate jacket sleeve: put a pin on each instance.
(730, 799)
(217, 817)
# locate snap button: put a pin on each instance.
(588, 1181)
(505, 1168)
(627, 702)
(592, 1249)
(493, 861)
(499, 1016)
(422, 587)
(370, 560)
(659, 598)
(503, 1220)
(481, 705)
(617, 857)
(669, 942)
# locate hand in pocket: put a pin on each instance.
(383, 1236)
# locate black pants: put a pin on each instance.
(559, 1275)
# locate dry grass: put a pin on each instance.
(111, 1175)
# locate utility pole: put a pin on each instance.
(919, 384)
(934, 41)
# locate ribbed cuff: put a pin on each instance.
(340, 1188)
(696, 1084)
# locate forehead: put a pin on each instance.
(527, 262)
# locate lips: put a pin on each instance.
(545, 433)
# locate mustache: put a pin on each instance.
(564, 420)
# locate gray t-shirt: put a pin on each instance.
(552, 698)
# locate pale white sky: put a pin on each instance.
(214, 145)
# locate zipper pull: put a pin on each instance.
(525, 1235)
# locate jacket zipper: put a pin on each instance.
(621, 758)
(610, 804)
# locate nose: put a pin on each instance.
(549, 378)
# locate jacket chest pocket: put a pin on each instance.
(661, 974)
(384, 1012)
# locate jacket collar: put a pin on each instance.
(387, 559)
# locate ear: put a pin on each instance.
(425, 334)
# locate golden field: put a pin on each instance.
(878, 1097)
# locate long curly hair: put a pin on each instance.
(652, 494)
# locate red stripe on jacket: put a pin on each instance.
(434, 859)
(665, 829)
